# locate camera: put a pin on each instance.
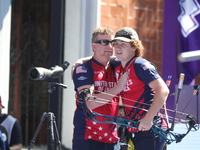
(39, 73)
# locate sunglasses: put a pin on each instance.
(103, 42)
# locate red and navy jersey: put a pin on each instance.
(93, 73)
(137, 93)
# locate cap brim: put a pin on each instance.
(122, 39)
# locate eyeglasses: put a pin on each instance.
(103, 42)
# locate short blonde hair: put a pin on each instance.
(101, 31)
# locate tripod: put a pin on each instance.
(55, 142)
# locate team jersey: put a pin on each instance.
(93, 73)
(137, 96)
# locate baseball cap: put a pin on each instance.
(126, 34)
(1, 103)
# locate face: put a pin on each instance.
(123, 50)
(102, 47)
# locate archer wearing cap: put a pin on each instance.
(143, 81)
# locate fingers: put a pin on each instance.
(143, 128)
(124, 77)
(78, 62)
(144, 125)
(123, 80)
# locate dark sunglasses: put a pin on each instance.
(103, 42)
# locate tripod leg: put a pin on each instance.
(55, 142)
(51, 131)
(37, 131)
(58, 144)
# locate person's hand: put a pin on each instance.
(145, 124)
(123, 81)
(79, 62)
(73, 67)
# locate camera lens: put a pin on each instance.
(34, 73)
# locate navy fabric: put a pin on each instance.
(147, 140)
(92, 145)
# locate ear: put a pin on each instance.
(93, 46)
(134, 48)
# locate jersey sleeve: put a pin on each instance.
(83, 75)
(145, 70)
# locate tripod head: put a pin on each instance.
(51, 86)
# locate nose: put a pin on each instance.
(110, 45)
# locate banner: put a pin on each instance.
(181, 33)
(189, 20)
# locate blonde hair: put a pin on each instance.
(139, 52)
(101, 31)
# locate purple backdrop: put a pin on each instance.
(181, 33)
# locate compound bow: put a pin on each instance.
(168, 135)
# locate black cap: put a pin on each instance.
(126, 34)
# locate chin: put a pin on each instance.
(109, 55)
(118, 57)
